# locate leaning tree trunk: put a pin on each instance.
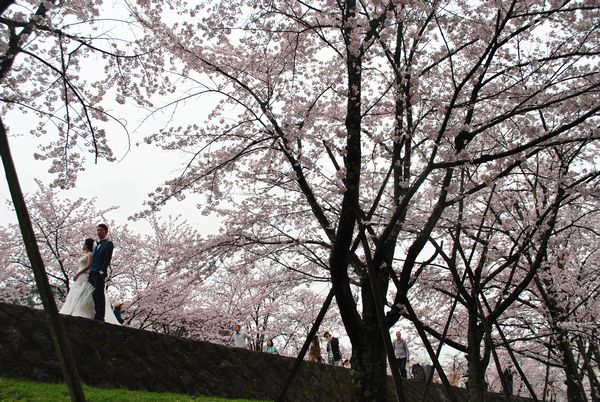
(57, 331)
(575, 390)
(589, 370)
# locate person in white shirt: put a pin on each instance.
(401, 353)
(239, 339)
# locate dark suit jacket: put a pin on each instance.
(102, 256)
(335, 349)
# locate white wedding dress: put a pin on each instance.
(79, 300)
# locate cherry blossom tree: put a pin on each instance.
(61, 225)
(152, 275)
(64, 64)
(343, 128)
(557, 312)
(567, 285)
(159, 276)
(44, 46)
(279, 305)
(497, 248)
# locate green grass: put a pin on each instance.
(29, 391)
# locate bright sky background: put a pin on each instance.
(125, 183)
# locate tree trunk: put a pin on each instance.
(476, 386)
(369, 376)
(589, 370)
(575, 391)
(57, 331)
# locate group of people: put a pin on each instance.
(86, 297)
(334, 355)
(242, 340)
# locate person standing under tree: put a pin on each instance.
(239, 339)
(271, 347)
(551, 392)
(314, 353)
(334, 356)
(99, 270)
(401, 353)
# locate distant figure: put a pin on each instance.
(271, 348)
(401, 353)
(550, 392)
(334, 356)
(117, 310)
(314, 352)
(462, 383)
(99, 270)
(508, 378)
(239, 339)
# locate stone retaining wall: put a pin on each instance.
(111, 356)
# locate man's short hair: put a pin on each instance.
(103, 226)
(326, 333)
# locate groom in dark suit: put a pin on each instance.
(99, 269)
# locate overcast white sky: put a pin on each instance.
(125, 183)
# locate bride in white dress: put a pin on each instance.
(79, 300)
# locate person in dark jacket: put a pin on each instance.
(508, 378)
(102, 255)
(118, 309)
(334, 356)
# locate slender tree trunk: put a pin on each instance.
(311, 334)
(575, 390)
(589, 370)
(57, 331)
(595, 353)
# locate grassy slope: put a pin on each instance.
(28, 391)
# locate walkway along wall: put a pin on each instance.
(121, 357)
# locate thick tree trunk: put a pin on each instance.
(476, 386)
(369, 376)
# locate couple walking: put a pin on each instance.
(86, 297)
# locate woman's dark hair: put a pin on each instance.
(89, 244)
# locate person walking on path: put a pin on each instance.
(508, 378)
